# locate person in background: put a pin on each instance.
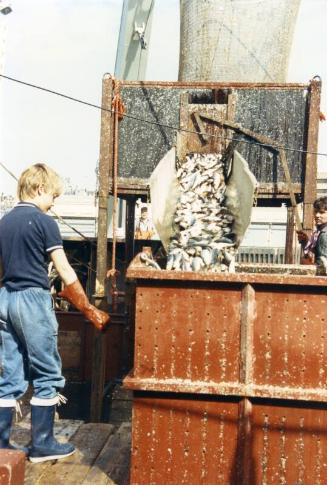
(28, 325)
(144, 228)
(315, 244)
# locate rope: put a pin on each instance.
(119, 111)
(18, 410)
(61, 399)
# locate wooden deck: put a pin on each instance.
(102, 456)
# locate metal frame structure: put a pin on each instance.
(130, 190)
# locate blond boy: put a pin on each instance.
(28, 325)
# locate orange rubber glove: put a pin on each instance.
(75, 294)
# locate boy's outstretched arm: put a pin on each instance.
(60, 261)
(74, 292)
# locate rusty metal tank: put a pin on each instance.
(229, 378)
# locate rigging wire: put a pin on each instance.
(163, 125)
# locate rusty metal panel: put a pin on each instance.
(245, 349)
(12, 467)
(177, 337)
(180, 440)
(290, 337)
(289, 444)
(72, 344)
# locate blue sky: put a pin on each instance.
(67, 46)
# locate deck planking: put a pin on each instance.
(102, 456)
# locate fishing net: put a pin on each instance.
(236, 40)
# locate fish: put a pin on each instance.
(170, 261)
(197, 263)
(206, 256)
(203, 220)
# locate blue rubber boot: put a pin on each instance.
(6, 417)
(44, 445)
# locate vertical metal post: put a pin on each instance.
(247, 317)
(129, 229)
(310, 181)
(99, 347)
(290, 232)
(244, 451)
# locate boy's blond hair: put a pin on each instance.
(36, 176)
